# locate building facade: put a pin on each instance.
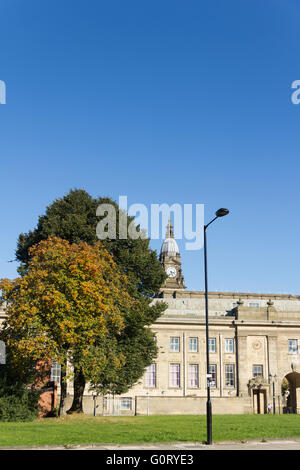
(254, 345)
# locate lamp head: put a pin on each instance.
(221, 212)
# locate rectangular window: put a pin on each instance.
(175, 343)
(193, 376)
(55, 373)
(212, 345)
(293, 346)
(2, 352)
(125, 403)
(193, 344)
(175, 375)
(213, 372)
(257, 370)
(253, 304)
(229, 376)
(229, 345)
(151, 376)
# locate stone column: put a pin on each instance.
(272, 355)
(272, 367)
(242, 363)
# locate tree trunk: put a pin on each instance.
(63, 391)
(79, 386)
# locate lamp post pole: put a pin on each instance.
(220, 213)
(273, 378)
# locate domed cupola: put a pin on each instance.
(169, 247)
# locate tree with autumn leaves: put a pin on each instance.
(118, 361)
(74, 218)
(72, 306)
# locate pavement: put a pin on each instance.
(192, 446)
(265, 444)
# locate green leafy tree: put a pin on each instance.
(74, 218)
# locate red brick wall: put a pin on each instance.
(48, 399)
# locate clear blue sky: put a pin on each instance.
(162, 101)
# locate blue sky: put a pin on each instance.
(165, 102)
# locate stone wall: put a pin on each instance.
(152, 405)
(192, 405)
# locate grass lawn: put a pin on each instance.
(137, 429)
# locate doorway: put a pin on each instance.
(259, 401)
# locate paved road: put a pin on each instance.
(271, 444)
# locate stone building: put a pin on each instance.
(254, 344)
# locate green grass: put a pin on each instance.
(138, 429)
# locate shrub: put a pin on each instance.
(17, 403)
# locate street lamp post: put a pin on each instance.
(220, 213)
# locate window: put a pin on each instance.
(213, 372)
(212, 345)
(175, 344)
(193, 375)
(229, 345)
(175, 375)
(125, 403)
(55, 372)
(2, 352)
(257, 371)
(253, 304)
(151, 376)
(293, 346)
(229, 376)
(193, 344)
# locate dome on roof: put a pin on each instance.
(169, 247)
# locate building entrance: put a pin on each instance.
(259, 401)
(292, 398)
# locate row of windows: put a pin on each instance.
(193, 375)
(250, 304)
(193, 347)
(193, 344)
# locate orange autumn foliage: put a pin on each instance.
(72, 298)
